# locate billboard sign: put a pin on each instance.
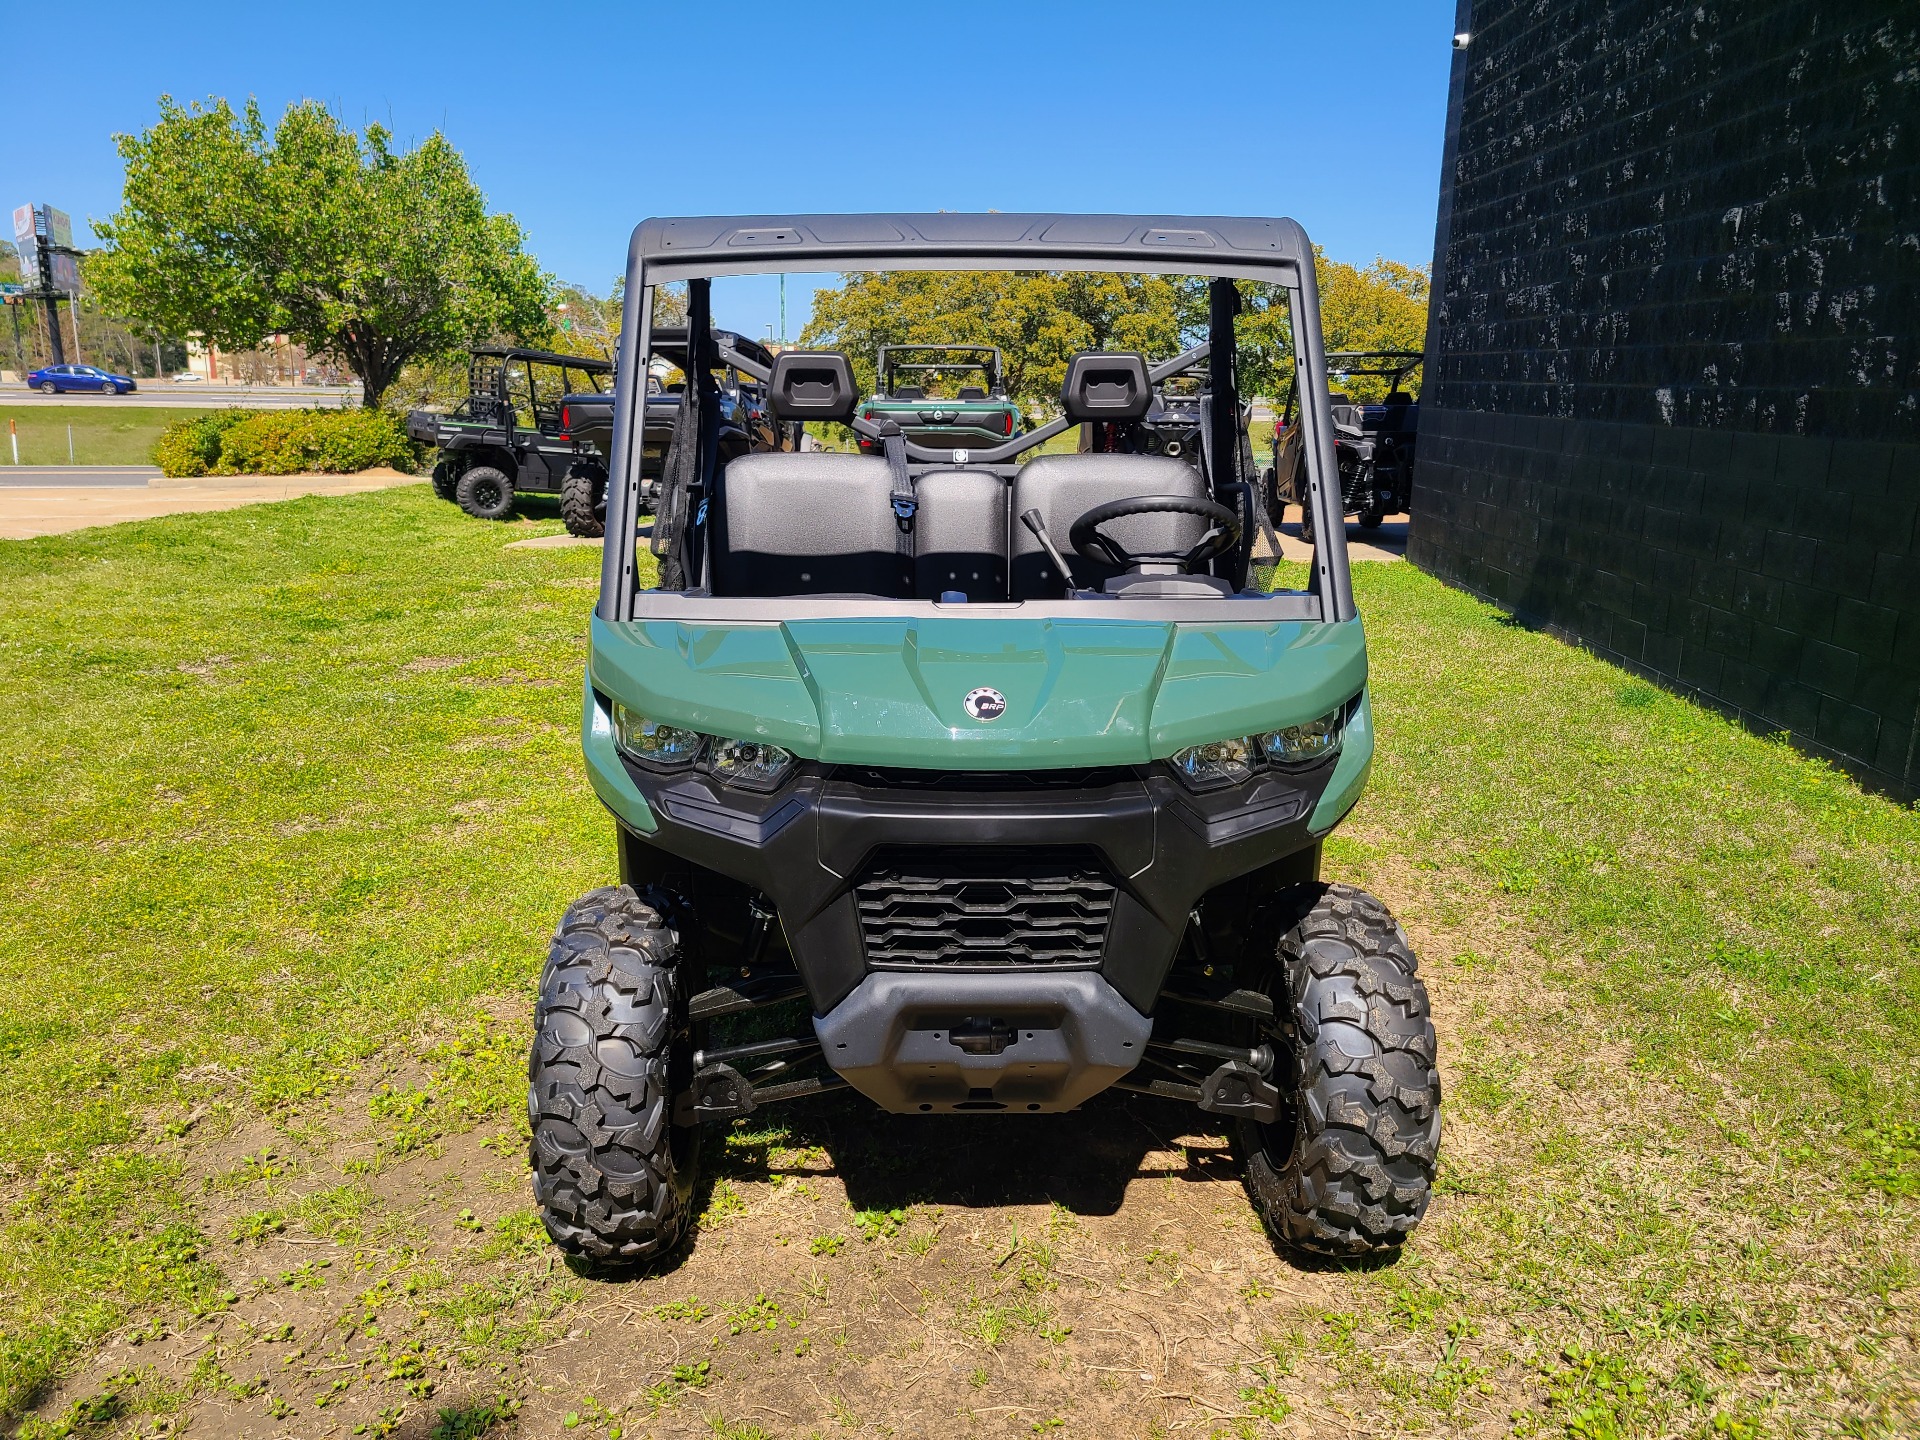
(66, 274)
(23, 231)
(59, 227)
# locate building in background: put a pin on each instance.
(1672, 397)
(276, 360)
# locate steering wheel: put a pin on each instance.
(1223, 534)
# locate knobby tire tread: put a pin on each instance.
(611, 1178)
(1360, 1159)
(579, 505)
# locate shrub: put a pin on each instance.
(192, 447)
(285, 442)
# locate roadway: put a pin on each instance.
(202, 396)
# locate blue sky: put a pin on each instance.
(1329, 113)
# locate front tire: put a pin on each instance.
(107, 387)
(1348, 1169)
(612, 1174)
(485, 493)
(47, 387)
(583, 499)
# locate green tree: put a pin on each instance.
(374, 256)
(1039, 320)
(1382, 306)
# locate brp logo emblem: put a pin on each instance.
(986, 703)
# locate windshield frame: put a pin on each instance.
(1274, 251)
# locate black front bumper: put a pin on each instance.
(1123, 856)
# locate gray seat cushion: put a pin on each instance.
(1064, 487)
(806, 524)
(960, 535)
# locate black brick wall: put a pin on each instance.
(1672, 407)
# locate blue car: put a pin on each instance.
(57, 379)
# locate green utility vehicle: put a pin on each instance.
(978, 786)
(944, 397)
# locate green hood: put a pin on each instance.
(889, 690)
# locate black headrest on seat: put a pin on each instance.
(1106, 387)
(973, 392)
(811, 385)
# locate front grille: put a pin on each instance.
(875, 777)
(984, 908)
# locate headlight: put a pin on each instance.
(651, 742)
(1218, 762)
(1303, 744)
(750, 763)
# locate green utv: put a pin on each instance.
(924, 390)
(975, 785)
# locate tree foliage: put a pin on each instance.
(1380, 307)
(1039, 320)
(372, 255)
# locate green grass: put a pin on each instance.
(281, 787)
(107, 432)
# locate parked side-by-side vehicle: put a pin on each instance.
(977, 780)
(1373, 442)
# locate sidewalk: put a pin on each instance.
(53, 499)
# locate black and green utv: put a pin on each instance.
(506, 438)
(975, 780)
(743, 424)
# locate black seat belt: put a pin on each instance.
(905, 506)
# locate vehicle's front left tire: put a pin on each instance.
(612, 1174)
(1348, 1169)
(485, 493)
(47, 387)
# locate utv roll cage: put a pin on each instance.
(487, 372)
(984, 358)
(696, 250)
(1395, 365)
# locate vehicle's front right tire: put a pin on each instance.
(612, 1174)
(485, 493)
(1348, 1168)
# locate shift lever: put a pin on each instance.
(1031, 519)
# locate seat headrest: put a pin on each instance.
(811, 385)
(973, 392)
(1399, 397)
(1106, 387)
